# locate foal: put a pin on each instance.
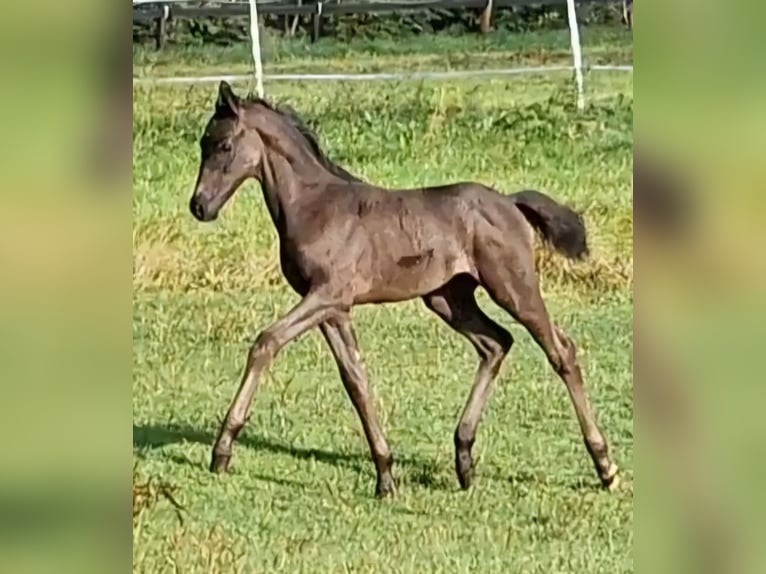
(344, 242)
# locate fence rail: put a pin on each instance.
(145, 11)
(381, 76)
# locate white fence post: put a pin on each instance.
(574, 35)
(255, 41)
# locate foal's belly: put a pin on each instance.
(411, 256)
(412, 276)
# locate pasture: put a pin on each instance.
(299, 496)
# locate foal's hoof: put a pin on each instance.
(220, 463)
(465, 468)
(385, 486)
(612, 479)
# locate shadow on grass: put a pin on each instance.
(158, 436)
(279, 481)
(416, 471)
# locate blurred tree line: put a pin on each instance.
(224, 31)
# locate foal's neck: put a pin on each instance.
(290, 176)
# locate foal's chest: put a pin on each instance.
(297, 277)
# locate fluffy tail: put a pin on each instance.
(557, 224)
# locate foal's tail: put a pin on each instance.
(557, 224)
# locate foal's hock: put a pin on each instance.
(344, 242)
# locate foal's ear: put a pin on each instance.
(227, 103)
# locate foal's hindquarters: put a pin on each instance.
(505, 265)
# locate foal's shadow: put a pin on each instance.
(150, 437)
(418, 471)
(157, 436)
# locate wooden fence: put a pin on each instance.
(160, 12)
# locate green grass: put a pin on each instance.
(300, 495)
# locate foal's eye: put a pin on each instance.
(226, 146)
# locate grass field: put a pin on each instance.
(300, 494)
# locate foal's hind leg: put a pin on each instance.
(456, 305)
(515, 288)
(569, 370)
(340, 336)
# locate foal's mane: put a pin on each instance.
(309, 136)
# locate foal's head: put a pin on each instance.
(231, 153)
(235, 143)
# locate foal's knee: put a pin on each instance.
(494, 350)
(564, 356)
(265, 347)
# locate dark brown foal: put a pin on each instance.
(344, 242)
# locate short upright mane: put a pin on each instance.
(309, 135)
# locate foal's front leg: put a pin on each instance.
(311, 311)
(339, 334)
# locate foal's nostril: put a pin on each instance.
(197, 209)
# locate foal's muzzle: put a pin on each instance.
(200, 209)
